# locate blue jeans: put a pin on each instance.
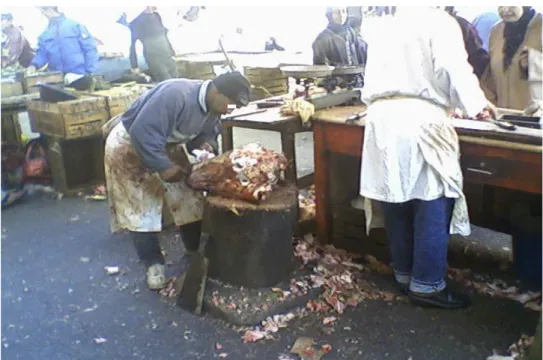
(418, 235)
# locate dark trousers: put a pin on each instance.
(418, 235)
(158, 53)
(148, 247)
(161, 66)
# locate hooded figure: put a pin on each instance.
(506, 81)
(17, 47)
(338, 44)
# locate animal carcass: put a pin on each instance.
(249, 173)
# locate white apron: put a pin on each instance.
(411, 151)
(136, 195)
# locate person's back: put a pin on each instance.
(408, 60)
(66, 45)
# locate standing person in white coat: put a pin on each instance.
(410, 159)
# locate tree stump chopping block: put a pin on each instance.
(251, 245)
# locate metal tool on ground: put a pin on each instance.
(191, 294)
(356, 117)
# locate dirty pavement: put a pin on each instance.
(71, 290)
(62, 298)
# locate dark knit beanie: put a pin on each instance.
(234, 86)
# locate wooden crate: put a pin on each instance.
(69, 119)
(11, 88)
(196, 70)
(270, 79)
(117, 100)
(76, 165)
(11, 128)
(30, 81)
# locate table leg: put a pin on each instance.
(322, 186)
(288, 144)
(227, 138)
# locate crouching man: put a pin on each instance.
(146, 163)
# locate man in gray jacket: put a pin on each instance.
(146, 160)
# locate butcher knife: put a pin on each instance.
(356, 117)
(504, 124)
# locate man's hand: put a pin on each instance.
(490, 112)
(207, 147)
(174, 174)
(31, 69)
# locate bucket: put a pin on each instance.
(527, 240)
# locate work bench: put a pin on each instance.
(489, 156)
(270, 120)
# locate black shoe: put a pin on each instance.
(403, 288)
(444, 299)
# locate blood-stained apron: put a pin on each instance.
(136, 195)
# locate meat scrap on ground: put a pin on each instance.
(341, 278)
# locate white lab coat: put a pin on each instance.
(410, 148)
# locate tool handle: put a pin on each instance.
(505, 125)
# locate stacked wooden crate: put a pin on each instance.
(11, 87)
(118, 99)
(77, 165)
(75, 147)
(30, 82)
(200, 70)
(68, 119)
(266, 82)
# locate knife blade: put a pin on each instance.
(356, 117)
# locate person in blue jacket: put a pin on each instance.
(66, 46)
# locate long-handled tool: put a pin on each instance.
(191, 294)
(230, 63)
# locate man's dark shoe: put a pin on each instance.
(403, 288)
(444, 299)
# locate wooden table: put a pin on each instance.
(490, 155)
(270, 120)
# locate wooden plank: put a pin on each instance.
(322, 186)
(270, 83)
(30, 81)
(10, 89)
(68, 125)
(339, 114)
(510, 169)
(338, 143)
(83, 105)
(262, 71)
(11, 128)
(77, 165)
(18, 101)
